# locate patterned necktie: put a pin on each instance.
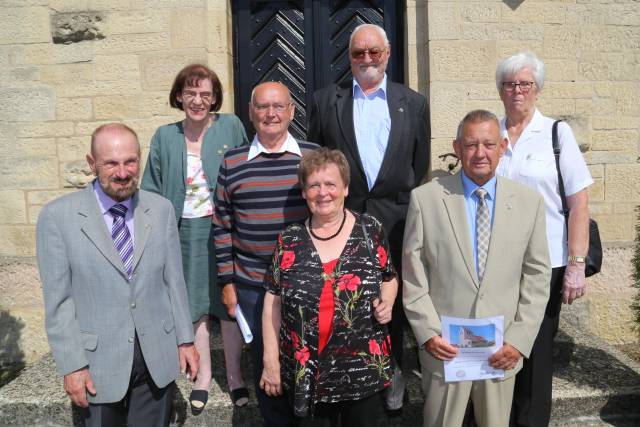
(483, 231)
(122, 237)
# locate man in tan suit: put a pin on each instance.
(474, 247)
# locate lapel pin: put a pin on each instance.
(508, 206)
(401, 109)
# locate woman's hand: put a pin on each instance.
(382, 310)
(574, 284)
(270, 380)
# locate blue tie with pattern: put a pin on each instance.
(121, 237)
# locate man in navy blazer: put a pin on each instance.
(116, 309)
(382, 128)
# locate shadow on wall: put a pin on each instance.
(11, 356)
(601, 371)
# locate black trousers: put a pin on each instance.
(398, 317)
(532, 394)
(351, 413)
(276, 411)
(144, 404)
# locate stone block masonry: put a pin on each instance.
(68, 66)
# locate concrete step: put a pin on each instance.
(594, 385)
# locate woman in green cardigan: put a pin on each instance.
(183, 165)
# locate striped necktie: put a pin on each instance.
(483, 231)
(121, 237)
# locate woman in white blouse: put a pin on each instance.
(530, 160)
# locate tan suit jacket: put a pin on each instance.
(439, 271)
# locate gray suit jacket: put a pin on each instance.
(439, 270)
(92, 310)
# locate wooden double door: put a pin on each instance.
(304, 44)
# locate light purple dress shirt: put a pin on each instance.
(105, 203)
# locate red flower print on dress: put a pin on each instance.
(377, 358)
(296, 339)
(287, 259)
(302, 355)
(386, 346)
(382, 256)
(189, 180)
(349, 281)
(374, 347)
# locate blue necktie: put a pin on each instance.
(121, 237)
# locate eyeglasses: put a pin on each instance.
(472, 147)
(278, 108)
(375, 54)
(189, 95)
(511, 86)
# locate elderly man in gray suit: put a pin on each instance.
(116, 313)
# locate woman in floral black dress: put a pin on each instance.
(330, 288)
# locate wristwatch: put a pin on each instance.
(580, 259)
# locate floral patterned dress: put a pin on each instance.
(355, 363)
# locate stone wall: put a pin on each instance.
(592, 52)
(67, 66)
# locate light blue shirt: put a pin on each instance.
(471, 200)
(372, 123)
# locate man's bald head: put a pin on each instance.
(271, 86)
(114, 128)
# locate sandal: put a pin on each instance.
(198, 400)
(240, 396)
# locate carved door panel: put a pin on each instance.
(303, 44)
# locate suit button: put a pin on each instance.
(130, 339)
(133, 305)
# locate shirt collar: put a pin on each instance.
(469, 186)
(381, 90)
(104, 201)
(290, 144)
(535, 125)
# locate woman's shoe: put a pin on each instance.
(198, 400)
(240, 396)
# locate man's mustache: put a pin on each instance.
(121, 180)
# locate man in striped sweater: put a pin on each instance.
(256, 197)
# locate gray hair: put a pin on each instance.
(476, 116)
(378, 28)
(518, 62)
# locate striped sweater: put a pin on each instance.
(254, 201)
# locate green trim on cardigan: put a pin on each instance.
(165, 171)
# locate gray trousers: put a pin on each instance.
(143, 405)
